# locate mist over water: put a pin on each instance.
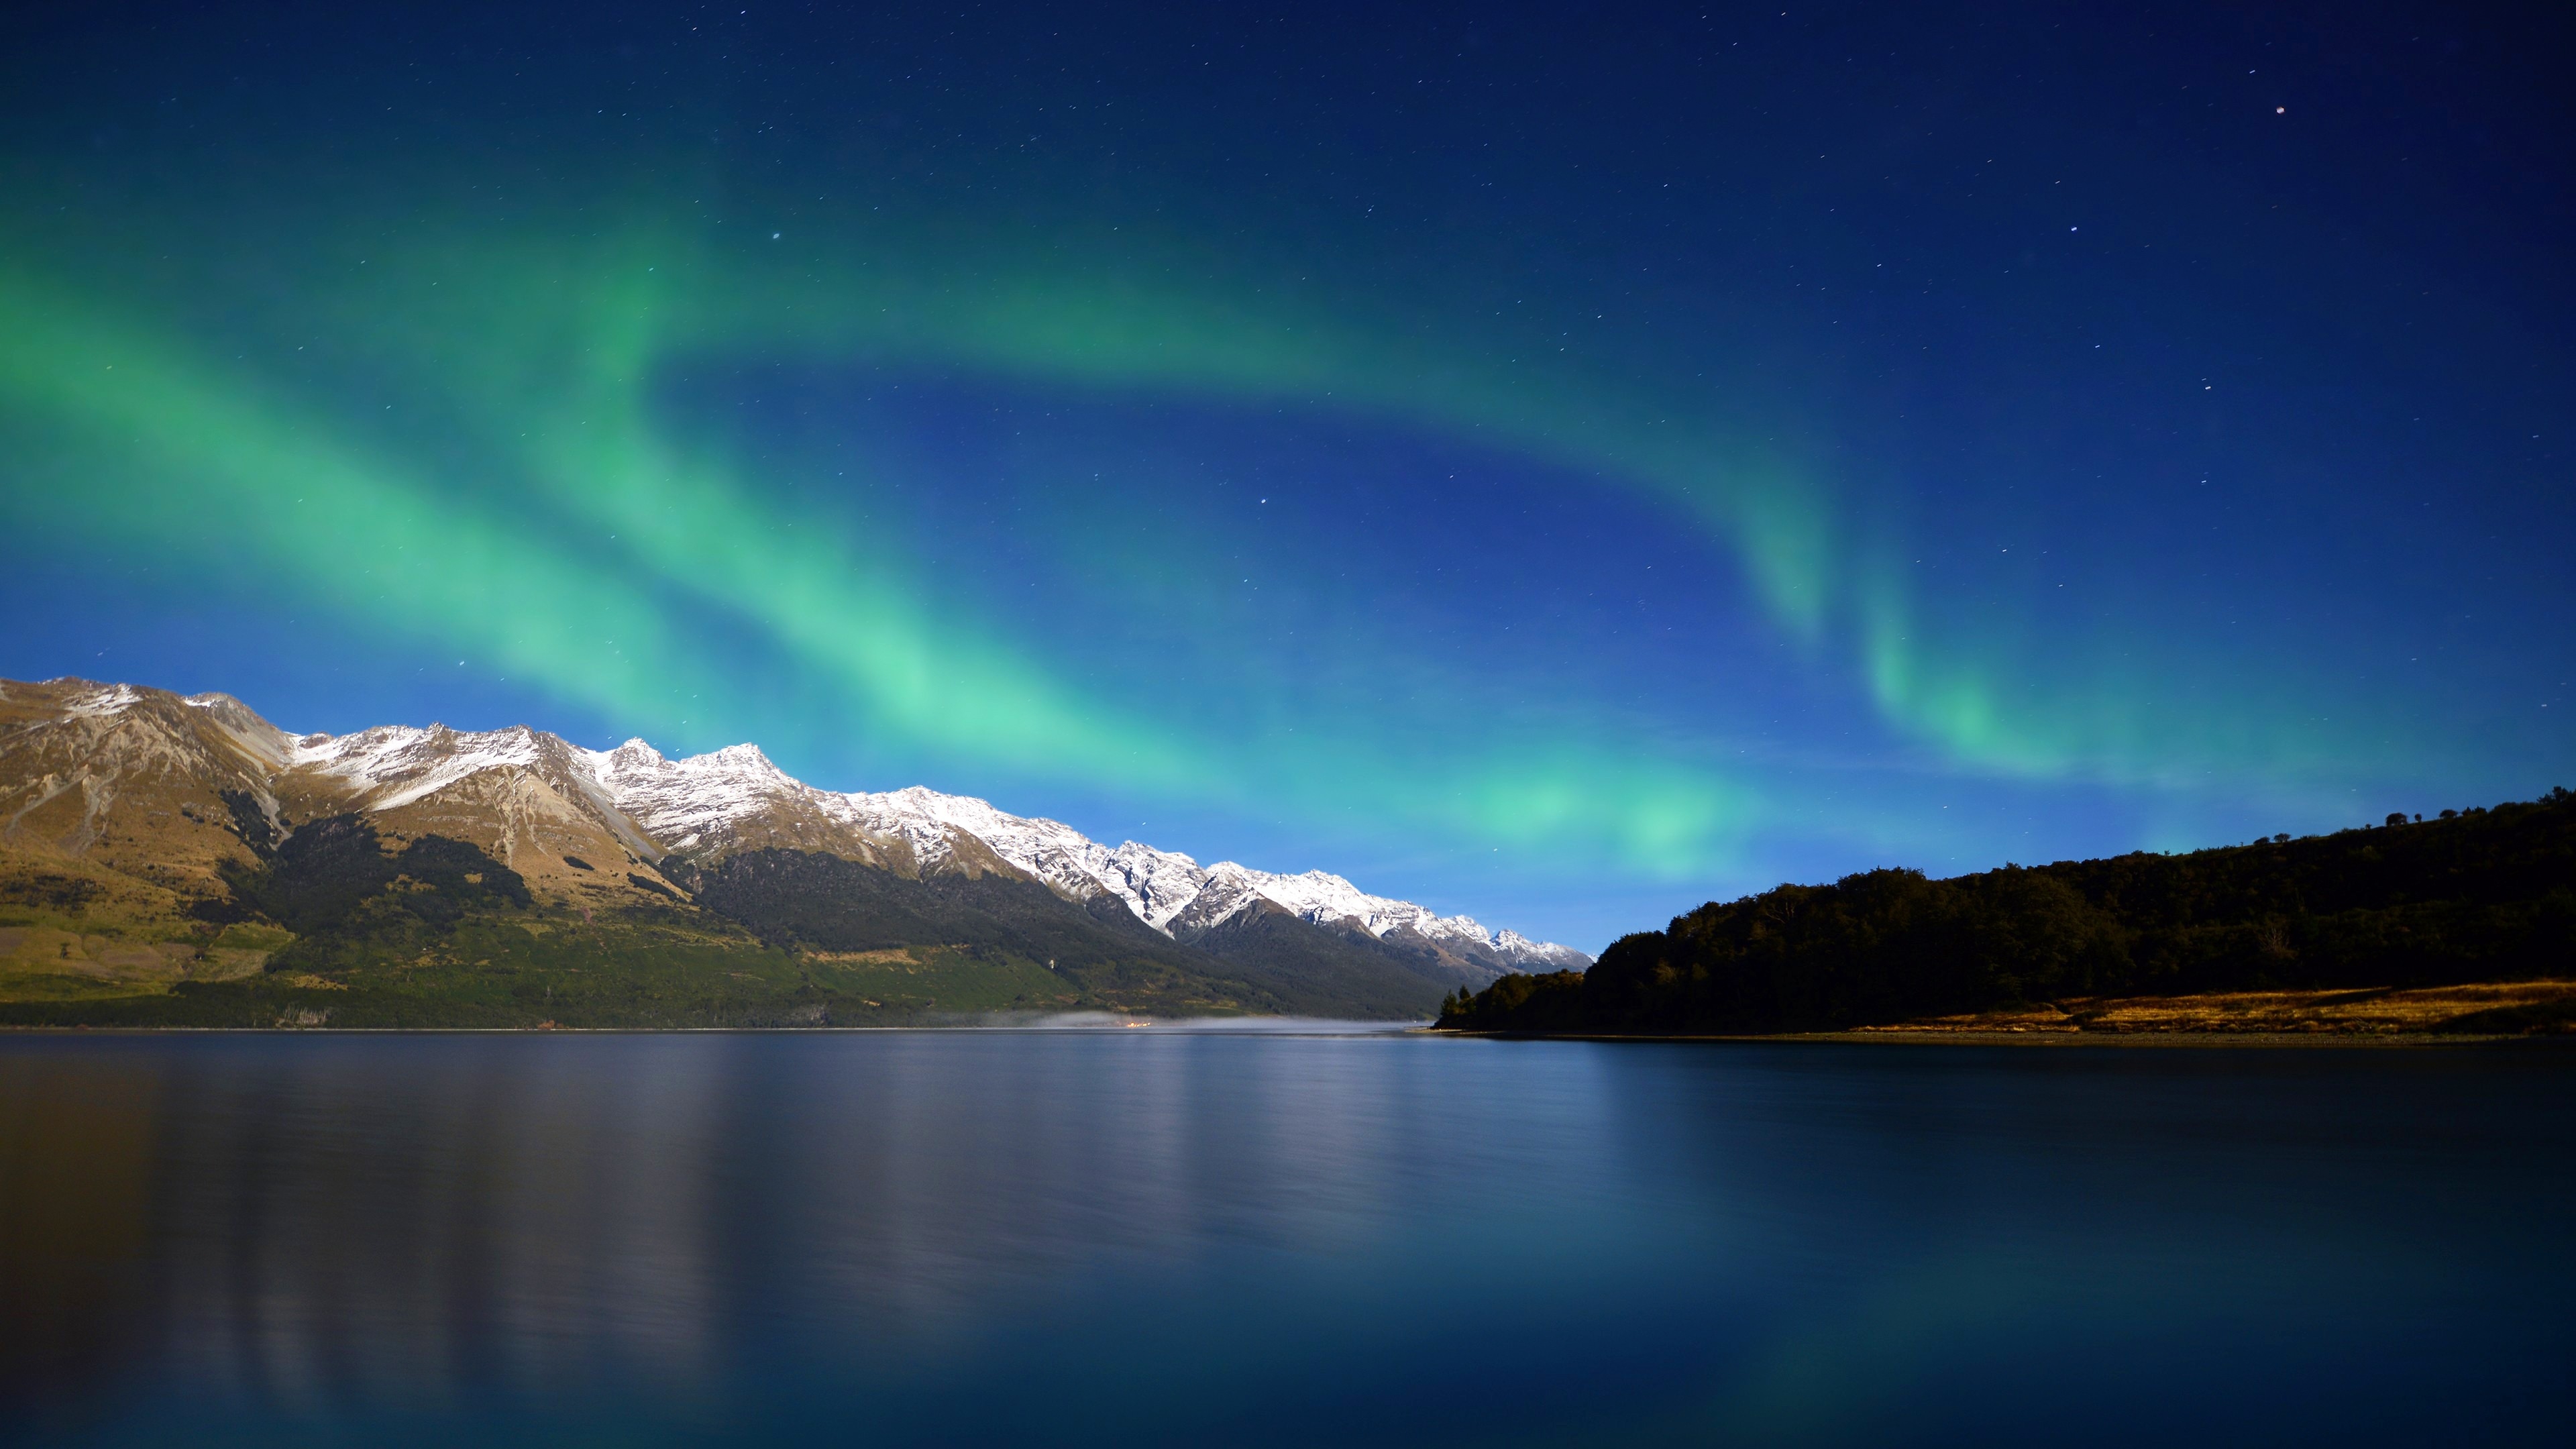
(1276, 1237)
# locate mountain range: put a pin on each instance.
(170, 858)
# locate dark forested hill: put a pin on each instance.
(2480, 895)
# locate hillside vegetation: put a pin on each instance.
(170, 861)
(2485, 895)
(341, 928)
(338, 925)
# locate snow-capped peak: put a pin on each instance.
(635, 754)
(1326, 899)
(930, 823)
(736, 797)
(107, 699)
(696, 801)
(1156, 884)
(1161, 887)
(1521, 950)
(407, 763)
(705, 801)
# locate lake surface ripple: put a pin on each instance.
(1275, 1237)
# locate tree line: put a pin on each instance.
(2475, 895)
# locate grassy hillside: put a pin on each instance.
(2476, 896)
(337, 926)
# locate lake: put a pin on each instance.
(1293, 1235)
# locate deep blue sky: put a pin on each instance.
(1561, 465)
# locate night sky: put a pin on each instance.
(1560, 465)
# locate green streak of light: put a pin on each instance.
(166, 449)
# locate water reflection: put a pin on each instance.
(1274, 1238)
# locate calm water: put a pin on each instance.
(1139, 1238)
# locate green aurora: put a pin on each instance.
(405, 399)
(536, 364)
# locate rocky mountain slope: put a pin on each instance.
(138, 824)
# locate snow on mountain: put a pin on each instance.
(109, 699)
(1157, 884)
(694, 803)
(1165, 888)
(256, 737)
(391, 766)
(703, 803)
(1521, 951)
(1224, 891)
(935, 825)
(1322, 898)
(735, 798)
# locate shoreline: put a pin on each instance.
(2391, 1016)
(1188, 1025)
(2179, 1040)
(1875, 1036)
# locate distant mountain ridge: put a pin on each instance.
(710, 804)
(182, 807)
